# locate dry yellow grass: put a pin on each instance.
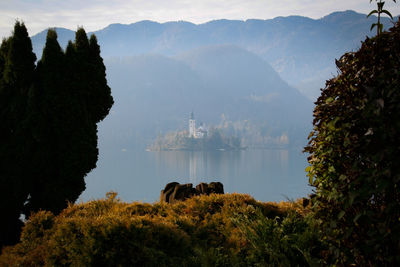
(107, 230)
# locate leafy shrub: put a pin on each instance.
(289, 241)
(201, 231)
(354, 149)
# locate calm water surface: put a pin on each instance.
(267, 175)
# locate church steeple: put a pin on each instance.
(192, 126)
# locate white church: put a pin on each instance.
(194, 132)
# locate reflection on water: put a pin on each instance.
(193, 168)
(196, 167)
(268, 175)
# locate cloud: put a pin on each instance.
(96, 14)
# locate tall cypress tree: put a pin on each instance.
(83, 138)
(101, 100)
(48, 111)
(65, 122)
(49, 117)
(3, 55)
(17, 70)
(87, 81)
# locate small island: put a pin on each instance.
(201, 138)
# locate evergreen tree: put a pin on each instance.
(17, 70)
(82, 142)
(65, 121)
(3, 55)
(102, 103)
(49, 117)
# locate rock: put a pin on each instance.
(216, 188)
(168, 190)
(177, 192)
(202, 188)
(181, 192)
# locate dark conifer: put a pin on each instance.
(17, 70)
(101, 99)
(3, 55)
(48, 112)
(20, 63)
(48, 124)
(83, 151)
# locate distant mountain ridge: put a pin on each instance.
(240, 75)
(300, 49)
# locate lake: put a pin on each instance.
(267, 175)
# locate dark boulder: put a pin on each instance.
(211, 188)
(177, 192)
(202, 188)
(182, 192)
(216, 188)
(168, 190)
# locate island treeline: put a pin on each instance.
(227, 135)
(48, 131)
(214, 140)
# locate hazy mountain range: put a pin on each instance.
(300, 49)
(245, 70)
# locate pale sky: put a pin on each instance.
(97, 14)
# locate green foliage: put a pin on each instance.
(201, 231)
(353, 155)
(379, 11)
(289, 241)
(49, 116)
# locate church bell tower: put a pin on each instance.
(192, 126)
